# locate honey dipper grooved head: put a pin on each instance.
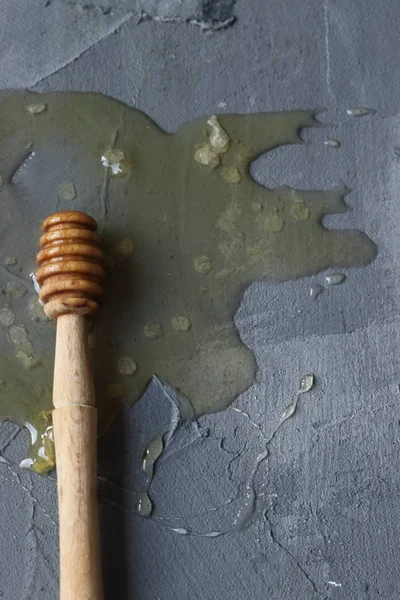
(70, 265)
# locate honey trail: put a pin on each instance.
(185, 228)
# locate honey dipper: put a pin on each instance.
(70, 275)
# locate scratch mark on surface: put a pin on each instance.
(377, 324)
(35, 501)
(104, 189)
(256, 425)
(356, 415)
(327, 49)
(300, 567)
(27, 155)
(127, 17)
(200, 514)
(15, 276)
(31, 550)
(206, 26)
(10, 439)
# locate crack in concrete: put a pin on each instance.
(17, 479)
(200, 514)
(375, 323)
(327, 49)
(10, 439)
(31, 549)
(247, 416)
(354, 416)
(298, 564)
(104, 189)
(127, 17)
(206, 26)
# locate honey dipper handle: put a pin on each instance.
(75, 435)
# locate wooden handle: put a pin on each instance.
(70, 275)
(75, 435)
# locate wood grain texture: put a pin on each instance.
(75, 433)
(73, 382)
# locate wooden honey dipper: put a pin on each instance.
(70, 275)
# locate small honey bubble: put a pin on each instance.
(7, 317)
(19, 337)
(181, 323)
(253, 250)
(335, 279)
(153, 331)
(10, 261)
(332, 143)
(15, 289)
(67, 192)
(124, 249)
(127, 366)
(360, 111)
(36, 109)
(300, 211)
(36, 309)
(202, 264)
(206, 157)
(29, 362)
(218, 137)
(231, 175)
(274, 223)
(115, 159)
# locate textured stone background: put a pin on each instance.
(328, 518)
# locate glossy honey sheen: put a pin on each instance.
(185, 228)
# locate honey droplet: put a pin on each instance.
(206, 157)
(36, 109)
(7, 317)
(181, 323)
(218, 137)
(332, 143)
(300, 211)
(127, 366)
(153, 331)
(10, 261)
(202, 264)
(115, 159)
(306, 383)
(67, 192)
(231, 174)
(274, 223)
(19, 337)
(124, 249)
(316, 290)
(15, 289)
(36, 309)
(360, 111)
(335, 279)
(29, 362)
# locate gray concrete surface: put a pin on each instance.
(327, 519)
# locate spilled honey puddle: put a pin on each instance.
(186, 229)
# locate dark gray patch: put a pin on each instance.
(218, 11)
